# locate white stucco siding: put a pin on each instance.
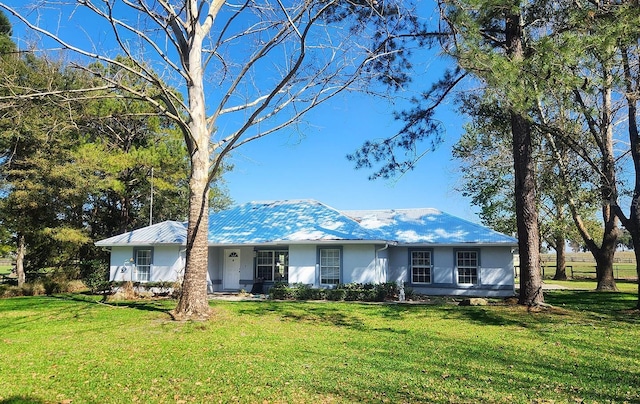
(214, 267)
(246, 265)
(496, 266)
(495, 271)
(443, 265)
(398, 264)
(302, 264)
(119, 268)
(359, 264)
(168, 264)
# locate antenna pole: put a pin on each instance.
(151, 201)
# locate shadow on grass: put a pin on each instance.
(306, 312)
(21, 400)
(618, 305)
(161, 306)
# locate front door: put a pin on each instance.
(231, 274)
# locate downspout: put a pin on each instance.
(379, 270)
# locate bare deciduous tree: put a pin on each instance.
(244, 70)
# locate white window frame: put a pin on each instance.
(330, 265)
(427, 268)
(143, 270)
(274, 265)
(467, 267)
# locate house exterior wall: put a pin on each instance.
(359, 264)
(302, 264)
(214, 270)
(496, 276)
(167, 264)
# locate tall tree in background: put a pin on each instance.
(251, 68)
(67, 181)
(487, 177)
(486, 39)
(76, 170)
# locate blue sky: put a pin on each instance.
(287, 166)
(309, 162)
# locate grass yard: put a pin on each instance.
(590, 284)
(71, 349)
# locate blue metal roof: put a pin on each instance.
(284, 221)
(168, 232)
(427, 226)
(300, 221)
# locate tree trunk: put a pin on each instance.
(193, 302)
(604, 254)
(21, 250)
(525, 185)
(633, 223)
(561, 259)
(526, 214)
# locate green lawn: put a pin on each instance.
(72, 349)
(5, 269)
(590, 284)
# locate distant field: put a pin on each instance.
(582, 265)
(622, 257)
(5, 269)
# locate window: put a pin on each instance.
(421, 266)
(143, 264)
(329, 266)
(272, 265)
(467, 264)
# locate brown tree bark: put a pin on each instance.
(561, 258)
(526, 214)
(21, 251)
(193, 302)
(525, 185)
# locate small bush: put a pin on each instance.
(32, 289)
(302, 291)
(7, 291)
(280, 291)
(409, 293)
(365, 292)
(388, 290)
(335, 295)
(53, 285)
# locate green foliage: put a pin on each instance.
(95, 274)
(75, 170)
(302, 291)
(280, 291)
(366, 292)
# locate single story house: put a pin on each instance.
(305, 241)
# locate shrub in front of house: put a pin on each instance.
(366, 292)
(281, 291)
(302, 291)
(335, 295)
